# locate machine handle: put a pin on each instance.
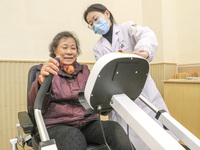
(43, 89)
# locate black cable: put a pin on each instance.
(104, 137)
(132, 147)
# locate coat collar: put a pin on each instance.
(115, 38)
(116, 32)
(77, 68)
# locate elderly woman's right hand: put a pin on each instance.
(51, 66)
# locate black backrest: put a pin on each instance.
(31, 78)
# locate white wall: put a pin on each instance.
(27, 27)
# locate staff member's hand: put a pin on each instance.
(51, 66)
(142, 53)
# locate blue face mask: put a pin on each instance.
(101, 26)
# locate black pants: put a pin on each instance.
(70, 138)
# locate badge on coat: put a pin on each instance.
(134, 26)
(122, 44)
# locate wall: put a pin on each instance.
(27, 27)
(177, 28)
(160, 16)
(161, 72)
(13, 81)
(152, 17)
(188, 29)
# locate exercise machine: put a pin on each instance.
(115, 81)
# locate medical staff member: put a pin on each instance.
(131, 38)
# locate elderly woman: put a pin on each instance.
(67, 121)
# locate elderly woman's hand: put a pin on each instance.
(51, 66)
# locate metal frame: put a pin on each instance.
(144, 126)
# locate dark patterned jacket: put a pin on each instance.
(61, 105)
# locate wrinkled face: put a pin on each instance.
(67, 50)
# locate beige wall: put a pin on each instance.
(152, 17)
(188, 14)
(27, 27)
(176, 25)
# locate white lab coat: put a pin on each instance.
(129, 37)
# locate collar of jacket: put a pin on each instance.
(77, 68)
(115, 37)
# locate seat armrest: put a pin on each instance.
(25, 122)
